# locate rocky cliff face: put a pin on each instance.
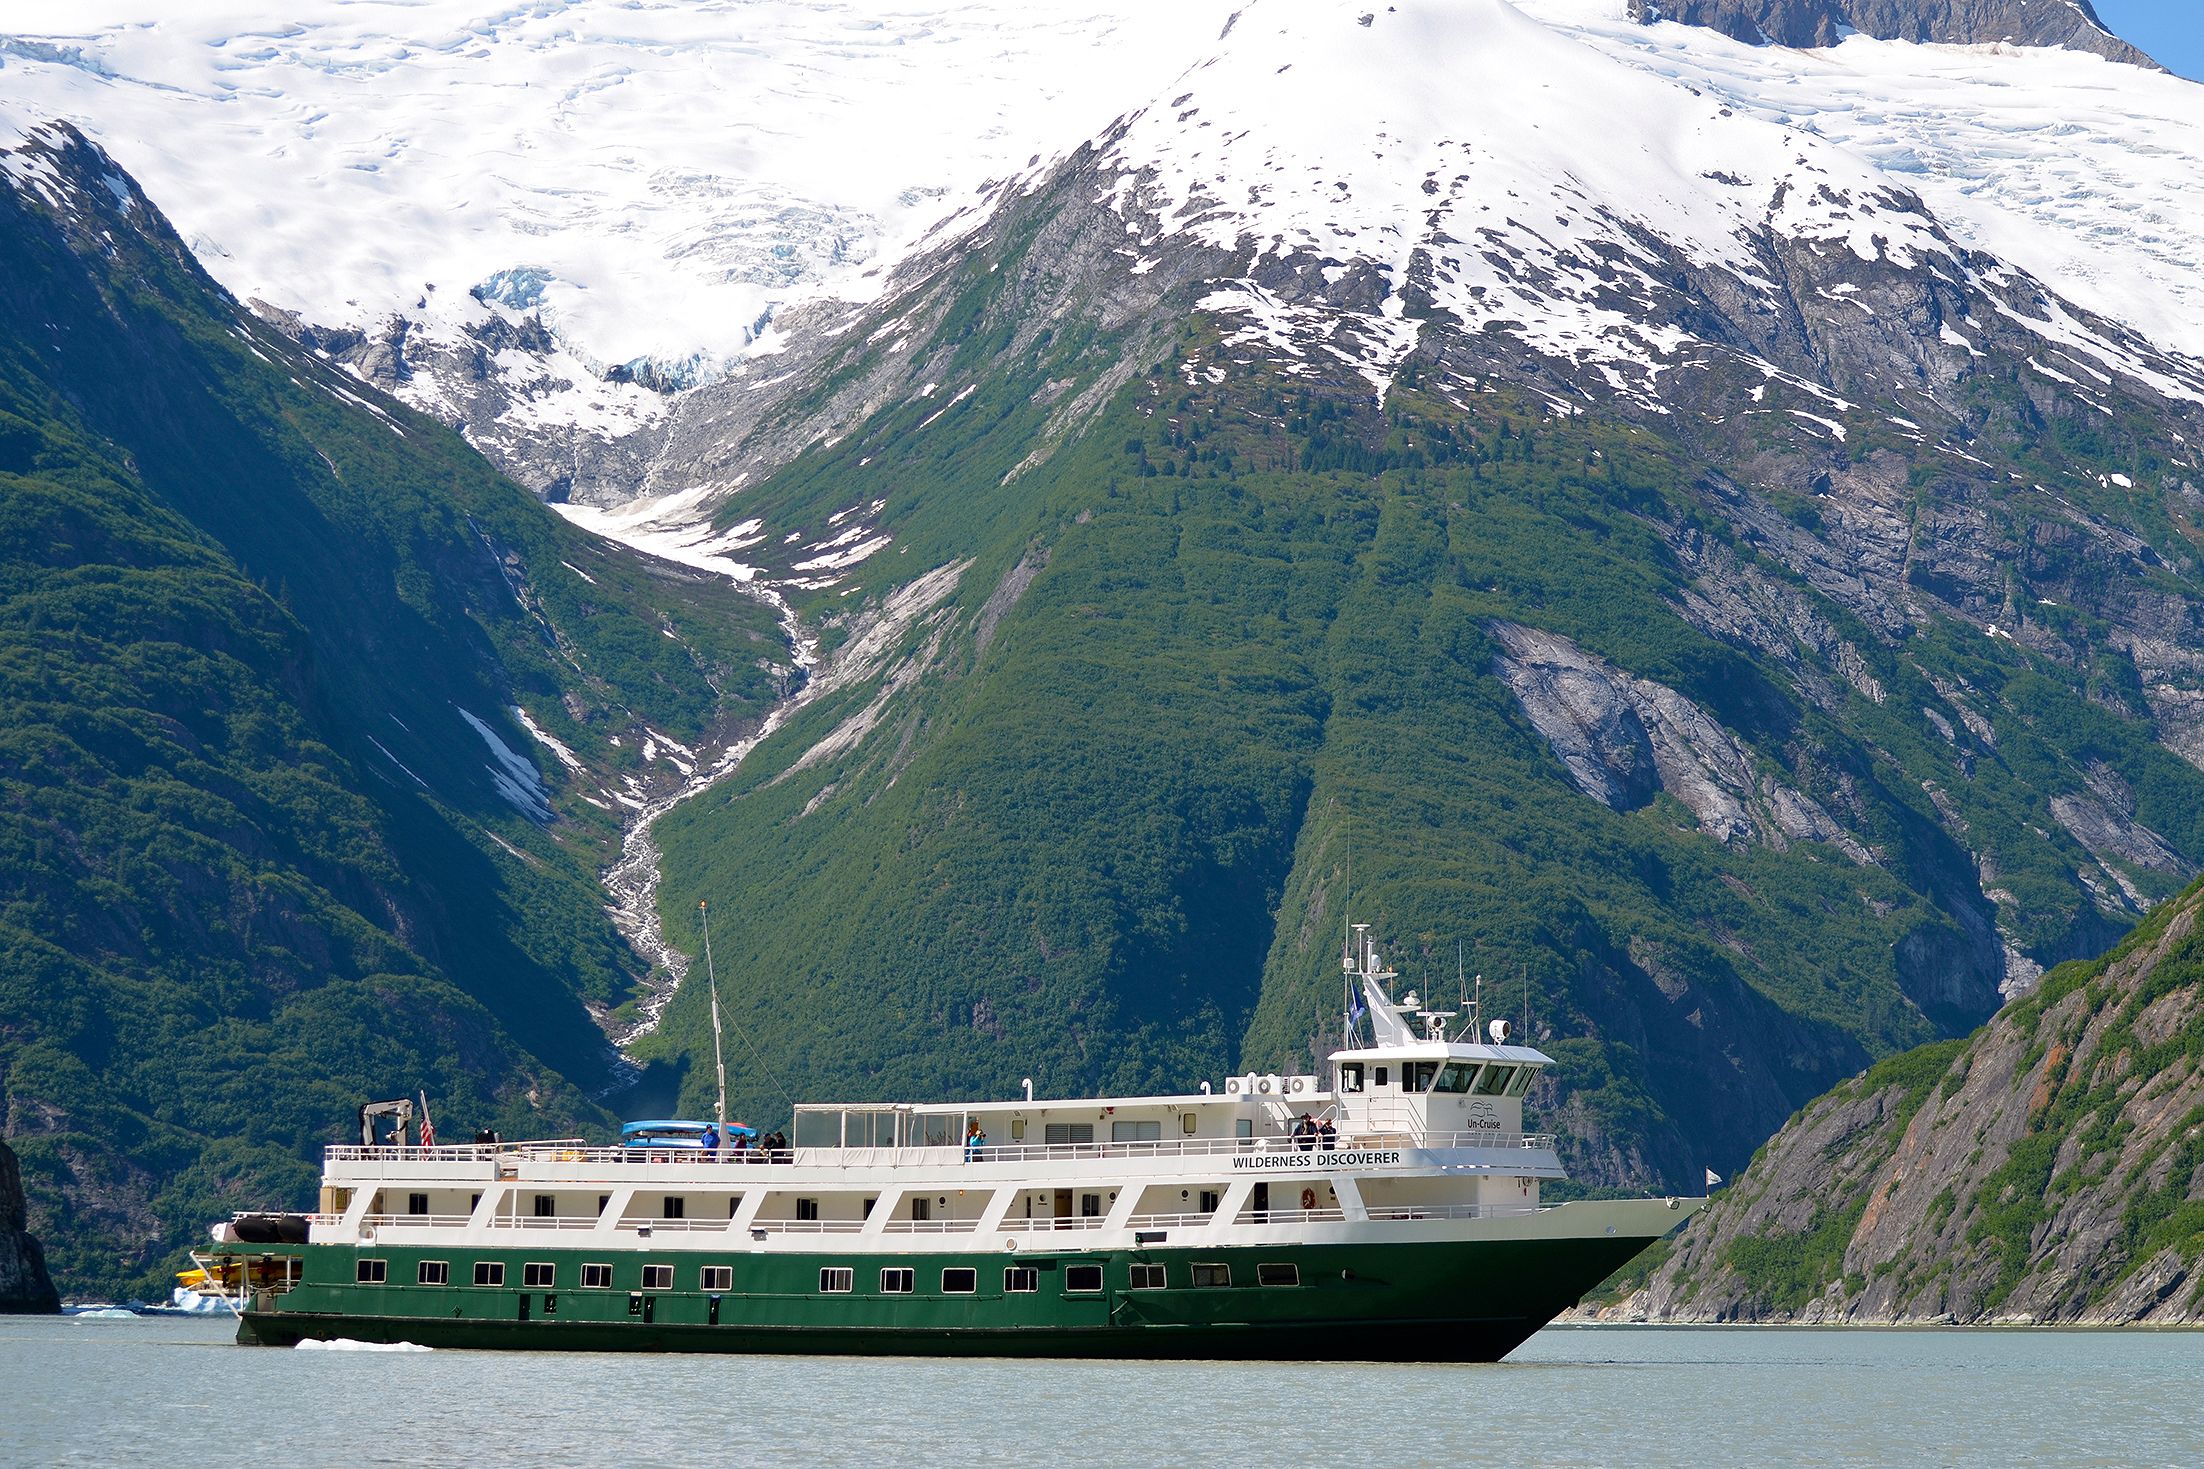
(2069, 23)
(2048, 1169)
(24, 1288)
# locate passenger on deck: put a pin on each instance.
(975, 1138)
(711, 1139)
(1304, 1133)
(1327, 1136)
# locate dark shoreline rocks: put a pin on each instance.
(25, 1289)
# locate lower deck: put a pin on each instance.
(1444, 1301)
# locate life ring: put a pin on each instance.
(1308, 1198)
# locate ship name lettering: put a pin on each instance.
(1375, 1158)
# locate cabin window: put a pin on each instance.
(1350, 1076)
(1209, 1200)
(716, 1277)
(1136, 1132)
(1090, 1206)
(1417, 1076)
(1017, 1129)
(1065, 1134)
(837, 1280)
(676, 1207)
(658, 1277)
(1186, 1123)
(596, 1277)
(1021, 1280)
(1212, 1275)
(807, 1208)
(1377, 1076)
(961, 1282)
(433, 1272)
(373, 1272)
(1524, 1076)
(1083, 1277)
(489, 1272)
(546, 1206)
(922, 1209)
(417, 1203)
(1277, 1275)
(1147, 1277)
(1457, 1076)
(1495, 1080)
(539, 1276)
(898, 1280)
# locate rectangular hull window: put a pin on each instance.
(959, 1282)
(489, 1272)
(373, 1272)
(1147, 1277)
(837, 1280)
(1080, 1278)
(538, 1276)
(658, 1277)
(897, 1281)
(596, 1277)
(1278, 1274)
(1212, 1275)
(434, 1272)
(1020, 1280)
(718, 1277)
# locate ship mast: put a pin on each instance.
(719, 1055)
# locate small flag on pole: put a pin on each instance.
(1714, 1180)
(1356, 1009)
(428, 1128)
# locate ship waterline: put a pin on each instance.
(1390, 1210)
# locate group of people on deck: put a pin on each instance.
(1309, 1133)
(773, 1147)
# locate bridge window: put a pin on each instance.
(837, 1280)
(489, 1272)
(1524, 1076)
(1079, 1278)
(373, 1272)
(1457, 1076)
(1495, 1080)
(716, 1277)
(1417, 1076)
(1350, 1076)
(959, 1282)
(1278, 1275)
(1212, 1275)
(539, 1276)
(658, 1277)
(898, 1280)
(433, 1272)
(1021, 1280)
(1147, 1277)
(596, 1277)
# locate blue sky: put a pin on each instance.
(2170, 30)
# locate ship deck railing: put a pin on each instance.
(507, 1155)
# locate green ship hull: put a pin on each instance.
(1466, 1301)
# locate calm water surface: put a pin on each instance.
(172, 1394)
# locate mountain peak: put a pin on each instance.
(2069, 23)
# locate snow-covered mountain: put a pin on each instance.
(544, 222)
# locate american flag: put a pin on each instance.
(428, 1128)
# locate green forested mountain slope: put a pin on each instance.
(256, 864)
(2044, 1170)
(1742, 750)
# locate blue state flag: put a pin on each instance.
(1356, 1009)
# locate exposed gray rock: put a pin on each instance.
(24, 1286)
(2069, 23)
(1622, 739)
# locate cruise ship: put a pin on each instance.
(1389, 1210)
